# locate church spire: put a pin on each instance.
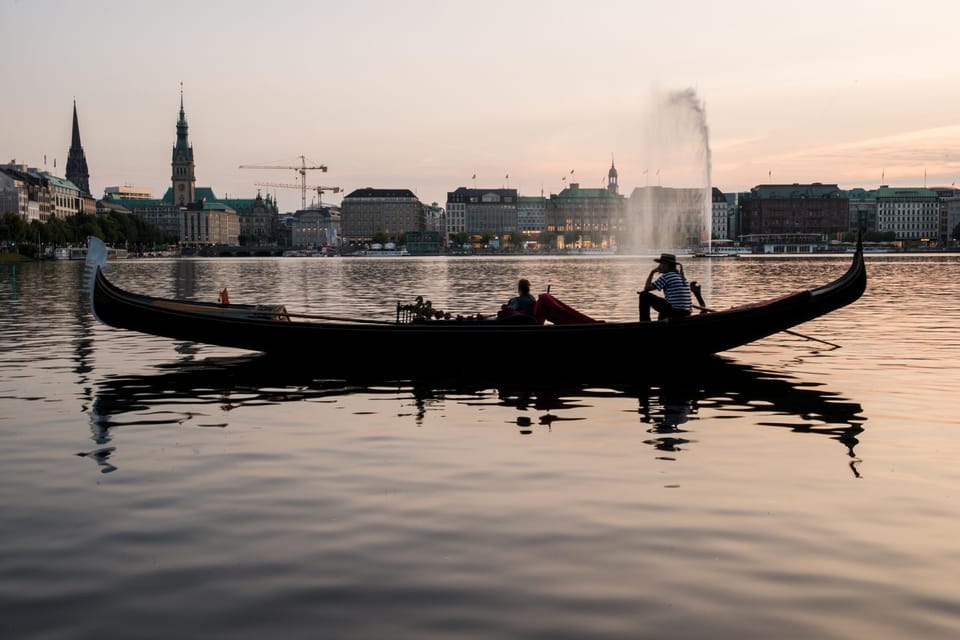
(77, 171)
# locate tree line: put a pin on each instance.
(114, 228)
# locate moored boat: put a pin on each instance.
(272, 329)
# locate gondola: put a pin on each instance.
(272, 330)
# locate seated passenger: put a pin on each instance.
(520, 305)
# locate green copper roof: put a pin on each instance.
(915, 192)
(202, 193)
(583, 194)
(788, 191)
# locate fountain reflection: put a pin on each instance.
(669, 404)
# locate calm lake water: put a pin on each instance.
(790, 489)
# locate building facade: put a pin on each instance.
(40, 195)
(128, 192)
(14, 196)
(912, 214)
(367, 212)
(782, 209)
(585, 218)
(720, 218)
(208, 223)
(258, 218)
(315, 229)
(531, 216)
(863, 210)
(479, 212)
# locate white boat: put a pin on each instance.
(721, 251)
(379, 253)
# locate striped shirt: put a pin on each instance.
(675, 290)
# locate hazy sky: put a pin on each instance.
(424, 94)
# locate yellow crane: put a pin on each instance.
(301, 170)
(312, 187)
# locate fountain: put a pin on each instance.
(675, 151)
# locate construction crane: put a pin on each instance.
(312, 187)
(301, 170)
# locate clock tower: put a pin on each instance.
(184, 180)
(612, 177)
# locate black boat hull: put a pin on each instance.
(264, 329)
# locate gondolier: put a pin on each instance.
(676, 302)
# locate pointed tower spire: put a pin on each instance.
(77, 171)
(182, 167)
(612, 185)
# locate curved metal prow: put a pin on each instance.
(96, 258)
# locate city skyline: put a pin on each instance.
(533, 95)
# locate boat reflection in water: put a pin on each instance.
(667, 405)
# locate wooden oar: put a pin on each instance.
(695, 288)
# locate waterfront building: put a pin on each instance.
(424, 243)
(585, 218)
(945, 196)
(368, 211)
(913, 214)
(65, 197)
(258, 218)
(531, 216)
(159, 213)
(40, 195)
(863, 210)
(207, 223)
(480, 212)
(734, 224)
(435, 219)
(31, 189)
(14, 197)
(128, 192)
(720, 216)
(315, 229)
(778, 209)
(77, 172)
(953, 217)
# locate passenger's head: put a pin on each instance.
(523, 286)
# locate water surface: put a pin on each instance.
(154, 489)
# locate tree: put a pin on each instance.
(13, 228)
(517, 239)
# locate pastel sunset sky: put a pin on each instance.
(423, 94)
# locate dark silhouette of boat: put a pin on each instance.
(271, 329)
